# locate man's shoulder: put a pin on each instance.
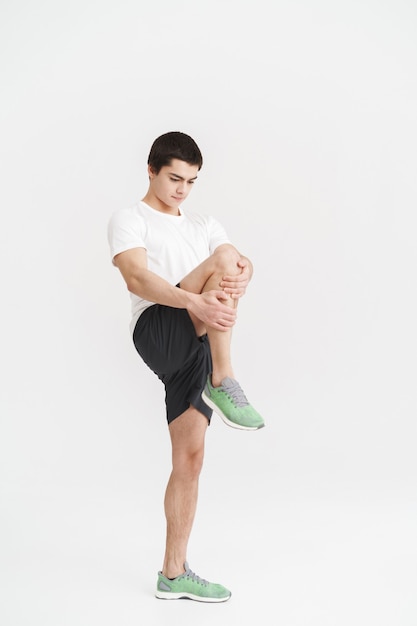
(127, 210)
(126, 214)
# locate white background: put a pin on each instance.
(305, 112)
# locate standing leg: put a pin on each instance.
(187, 438)
(176, 579)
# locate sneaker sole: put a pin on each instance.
(168, 595)
(225, 419)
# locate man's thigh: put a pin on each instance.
(188, 432)
(198, 277)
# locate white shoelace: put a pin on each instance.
(235, 391)
(190, 574)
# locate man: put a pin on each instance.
(185, 279)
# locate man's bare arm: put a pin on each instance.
(142, 282)
(146, 284)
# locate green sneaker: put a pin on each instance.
(191, 586)
(231, 404)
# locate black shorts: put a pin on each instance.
(166, 340)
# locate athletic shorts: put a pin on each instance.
(166, 340)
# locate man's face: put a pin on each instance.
(173, 183)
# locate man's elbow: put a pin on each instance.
(131, 283)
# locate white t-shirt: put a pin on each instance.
(175, 244)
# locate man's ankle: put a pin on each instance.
(172, 572)
(216, 379)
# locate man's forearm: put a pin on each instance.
(155, 289)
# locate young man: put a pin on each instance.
(185, 279)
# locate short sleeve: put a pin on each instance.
(217, 234)
(126, 230)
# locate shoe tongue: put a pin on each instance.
(228, 382)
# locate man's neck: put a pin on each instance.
(154, 202)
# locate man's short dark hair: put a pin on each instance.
(174, 145)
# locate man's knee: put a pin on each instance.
(226, 259)
(189, 464)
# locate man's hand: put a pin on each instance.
(209, 308)
(235, 286)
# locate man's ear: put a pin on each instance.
(151, 172)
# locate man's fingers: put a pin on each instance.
(221, 295)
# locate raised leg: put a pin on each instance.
(206, 277)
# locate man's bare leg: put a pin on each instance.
(222, 393)
(206, 277)
(187, 438)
